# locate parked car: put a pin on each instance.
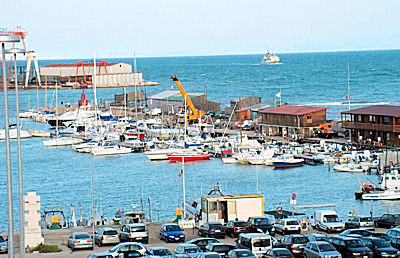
(316, 237)
(287, 226)
(278, 253)
(395, 242)
(104, 236)
(100, 255)
(294, 243)
(258, 243)
(364, 222)
(241, 253)
(80, 240)
(393, 232)
(220, 248)
(320, 249)
(350, 247)
(201, 242)
(387, 221)
(134, 232)
(380, 247)
(124, 248)
(355, 232)
(235, 227)
(212, 229)
(383, 236)
(209, 255)
(3, 245)
(261, 225)
(190, 250)
(159, 252)
(172, 232)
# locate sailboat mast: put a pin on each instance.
(240, 117)
(95, 88)
(56, 111)
(348, 83)
(185, 120)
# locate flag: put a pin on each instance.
(347, 97)
(182, 170)
(278, 95)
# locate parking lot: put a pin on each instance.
(59, 237)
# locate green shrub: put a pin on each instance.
(42, 248)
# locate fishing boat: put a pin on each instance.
(13, 133)
(189, 156)
(287, 161)
(351, 167)
(385, 195)
(270, 58)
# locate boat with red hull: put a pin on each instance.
(188, 156)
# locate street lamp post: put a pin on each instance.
(14, 52)
(6, 38)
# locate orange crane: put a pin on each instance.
(326, 131)
(194, 113)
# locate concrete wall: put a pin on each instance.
(69, 71)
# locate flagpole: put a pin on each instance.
(184, 188)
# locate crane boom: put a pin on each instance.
(194, 113)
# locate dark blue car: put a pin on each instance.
(171, 232)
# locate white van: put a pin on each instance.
(258, 243)
(328, 220)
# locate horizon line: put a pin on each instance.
(231, 54)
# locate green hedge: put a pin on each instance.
(42, 248)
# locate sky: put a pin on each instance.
(78, 29)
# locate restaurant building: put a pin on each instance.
(295, 122)
(378, 124)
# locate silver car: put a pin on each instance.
(125, 248)
(104, 236)
(3, 245)
(320, 249)
(80, 240)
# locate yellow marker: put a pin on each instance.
(179, 212)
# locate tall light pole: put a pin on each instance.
(6, 38)
(14, 52)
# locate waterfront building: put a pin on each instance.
(378, 124)
(296, 122)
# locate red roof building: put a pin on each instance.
(295, 122)
(379, 124)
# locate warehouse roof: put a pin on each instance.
(172, 95)
(376, 110)
(293, 110)
(76, 64)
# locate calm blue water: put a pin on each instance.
(62, 177)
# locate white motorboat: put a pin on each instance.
(230, 160)
(270, 58)
(87, 147)
(13, 133)
(110, 148)
(287, 161)
(160, 154)
(351, 167)
(63, 141)
(385, 195)
(259, 159)
(391, 181)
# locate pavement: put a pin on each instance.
(59, 237)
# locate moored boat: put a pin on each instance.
(63, 141)
(287, 161)
(351, 167)
(189, 156)
(385, 195)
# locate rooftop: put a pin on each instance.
(376, 110)
(173, 95)
(76, 64)
(293, 110)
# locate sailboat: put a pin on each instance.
(63, 141)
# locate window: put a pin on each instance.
(213, 206)
(308, 117)
(386, 120)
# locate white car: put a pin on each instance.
(287, 226)
(126, 247)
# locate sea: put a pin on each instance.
(62, 177)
